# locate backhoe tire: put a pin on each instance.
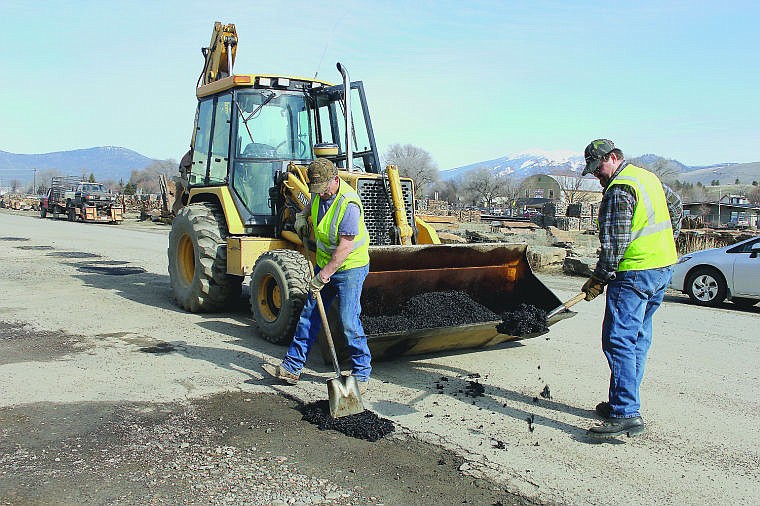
(279, 287)
(198, 260)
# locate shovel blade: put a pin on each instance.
(344, 397)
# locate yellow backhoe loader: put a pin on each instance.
(244, 179)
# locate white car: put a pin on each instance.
(709, 276)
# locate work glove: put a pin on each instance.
(593, 287)
(316, 283)
(301, 226)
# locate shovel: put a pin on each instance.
(343, 391)
(566, 305)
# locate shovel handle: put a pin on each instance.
(567, 305)
(325, 325)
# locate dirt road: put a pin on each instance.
(94, 347)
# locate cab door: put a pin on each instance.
(330, 126)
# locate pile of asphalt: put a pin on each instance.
(429, 311)
(365, 425)
(526, 319)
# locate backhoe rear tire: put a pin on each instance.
(279, 287)
(198, 259)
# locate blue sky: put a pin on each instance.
(466, 81)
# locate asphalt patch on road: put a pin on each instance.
(235, 448)
(526, 319)
(427, 311)
(20, 342)
(74, 254)
(34, 248)
(17, 239)
(365, 425)
(159, 349)
(111, 270)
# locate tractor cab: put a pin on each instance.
(247, 132)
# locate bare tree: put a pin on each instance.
(483, 186)
(413, 162)
(754, 196)
(574, 189)
(665, 170)
(44, 177)
(147, 179)
(449, 190)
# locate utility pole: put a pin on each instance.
(718, 173)
(34, 184)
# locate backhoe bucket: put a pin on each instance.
(495, 275)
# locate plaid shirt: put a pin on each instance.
(616, 219)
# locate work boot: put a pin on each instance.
(604, 410)
(282, 374)
(615, 427)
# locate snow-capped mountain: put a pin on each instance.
(522, 165)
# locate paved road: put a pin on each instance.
(701, 393)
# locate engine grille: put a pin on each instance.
(378, 214)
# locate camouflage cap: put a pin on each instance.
(320, 172)
(594, 153)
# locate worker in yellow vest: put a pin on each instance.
(639, 219)
(342, 266)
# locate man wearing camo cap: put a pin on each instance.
(342, 265)
(639, 219)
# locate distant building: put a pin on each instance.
(730, 210)
(562, 190)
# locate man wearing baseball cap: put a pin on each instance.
(342, 265)
(639, 219)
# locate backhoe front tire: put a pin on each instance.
(279, 287)
(198, 259)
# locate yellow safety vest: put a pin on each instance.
(326, 231)
(652, 244)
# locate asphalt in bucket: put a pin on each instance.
(526, 319)
(365, 425)
(427, 311)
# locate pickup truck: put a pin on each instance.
(80, 200)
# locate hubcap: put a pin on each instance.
(705, 287)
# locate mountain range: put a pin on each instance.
(106, 163)
(524, 165)
(117, 163)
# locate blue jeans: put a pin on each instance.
(347, 287)
(632, 299)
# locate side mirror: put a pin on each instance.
(755, 250)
